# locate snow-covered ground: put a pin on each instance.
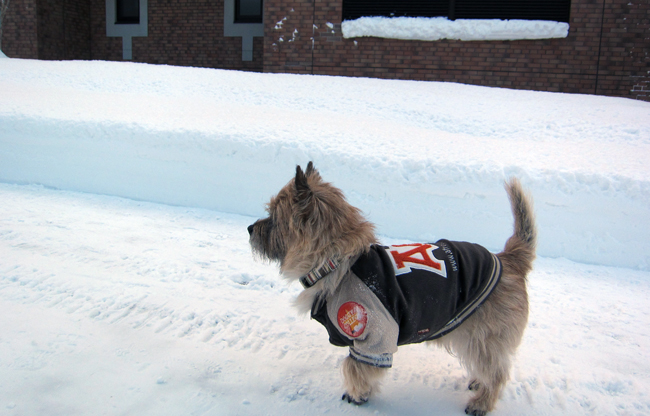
(153, 304)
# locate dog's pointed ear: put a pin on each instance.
(310, 169)
(304, 199)
(303, 191)
(311, 172)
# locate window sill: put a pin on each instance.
(438, 28)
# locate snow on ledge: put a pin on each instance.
(436, 28)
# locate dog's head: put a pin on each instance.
(309, 221)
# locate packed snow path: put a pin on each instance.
(111, 306)
(423, 160)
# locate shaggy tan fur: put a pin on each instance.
(310, 221)
(360, 380)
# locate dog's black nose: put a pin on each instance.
(250, 229)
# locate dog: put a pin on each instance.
(373, 298)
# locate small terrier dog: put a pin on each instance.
(374, 298)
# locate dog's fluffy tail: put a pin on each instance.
(520, 247)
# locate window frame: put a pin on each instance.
(127, 31)
(246, 31)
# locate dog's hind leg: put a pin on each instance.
(360, 380)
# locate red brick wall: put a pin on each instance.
(47, 29)
(625, 52)
(288, 34)
(63, 29)
(103, 47)
(181, 32)
(641, 88)
(19, 33)
(580, 63)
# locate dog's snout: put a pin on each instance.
(250, 229)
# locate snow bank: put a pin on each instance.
(437, 28)
(422, 160)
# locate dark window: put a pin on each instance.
(128, 12)
(555, 10)
(354, 9)
(248, 11)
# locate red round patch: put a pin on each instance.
(352, 319)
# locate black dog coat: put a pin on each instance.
(406, 294)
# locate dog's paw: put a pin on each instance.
(474, 385)
(474, 412)
(358, 401)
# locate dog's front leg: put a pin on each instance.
(360, 380)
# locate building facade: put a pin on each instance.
(606, 52)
